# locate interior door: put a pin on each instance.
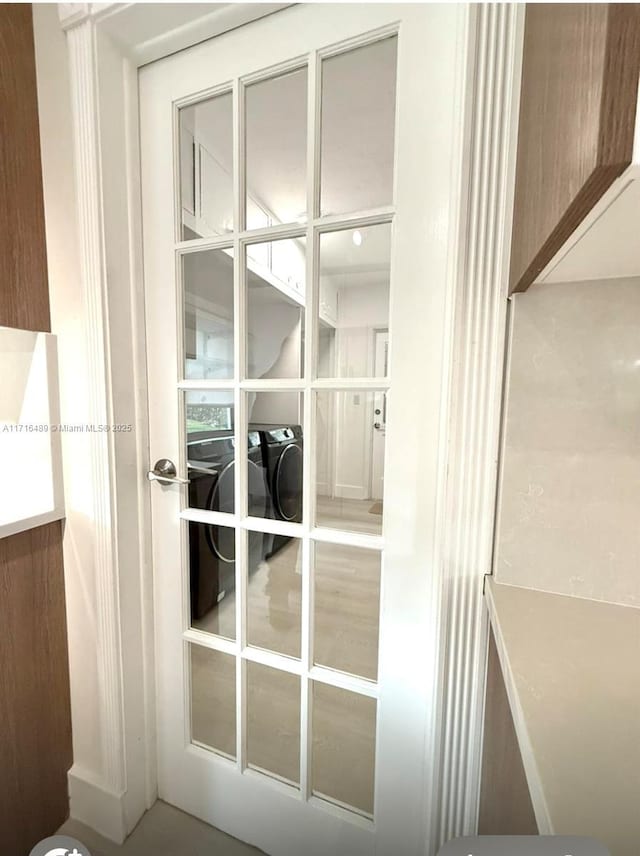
(296, 625)
(379, 417)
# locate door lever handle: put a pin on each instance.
(164, 471)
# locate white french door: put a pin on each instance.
(296, 179)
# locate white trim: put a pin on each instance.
(351, 491)
(493, 96)
(82, 54)
(144, 38)
(96, 806)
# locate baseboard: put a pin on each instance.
(95, 806)
(351, 491)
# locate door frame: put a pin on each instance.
(107, 43)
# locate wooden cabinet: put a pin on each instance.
(577, 121)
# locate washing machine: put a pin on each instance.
(282, 448)
(211, 465)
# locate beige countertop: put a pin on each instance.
(572, 673)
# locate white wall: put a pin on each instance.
(104, 741)
(570, 482)
(67, 323)
(275, 340)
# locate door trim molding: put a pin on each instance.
(81, 47)
(104, 58)
(495, 56)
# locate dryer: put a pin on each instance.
(282, 452)
(211, 466)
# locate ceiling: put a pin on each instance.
(358, 121)
(353, 264)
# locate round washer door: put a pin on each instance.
(287, 484)
(221, 539)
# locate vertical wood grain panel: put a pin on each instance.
(24, 298)
(505, 803)
(35, 719)
(578, 102)
(35, 746)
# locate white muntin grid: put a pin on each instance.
(240, 385)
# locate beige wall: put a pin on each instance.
(569, 499)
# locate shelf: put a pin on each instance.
(572, 674)
(31, 493)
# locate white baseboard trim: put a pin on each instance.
(351, 491)
(95, 806)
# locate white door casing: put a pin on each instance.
(430, 64)
(107, 43)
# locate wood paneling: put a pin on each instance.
(577, 111)
(35, 745)
(24, 296)
(35, 720)
(505, 803)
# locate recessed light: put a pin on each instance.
(357, 238)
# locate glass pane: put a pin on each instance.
(206, 167)
(276, 126)
(273, 722)
(275, 313)
(344, 741)
(212, 581)
(350, 460)
(354, 302)
(213, 699)
(358, 128)
(210, 449)
(277, 418)
(275, 594)
(208, 314)
(347, 609)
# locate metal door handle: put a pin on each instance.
(377, 425)
(164, 471)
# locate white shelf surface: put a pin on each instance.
(572, 673)
(31, 492)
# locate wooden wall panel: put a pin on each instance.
(505, 803)
(580, 71)
(35, 719)
(24, 295)
(35, 745)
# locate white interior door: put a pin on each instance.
(296, 626)
(379, 415)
